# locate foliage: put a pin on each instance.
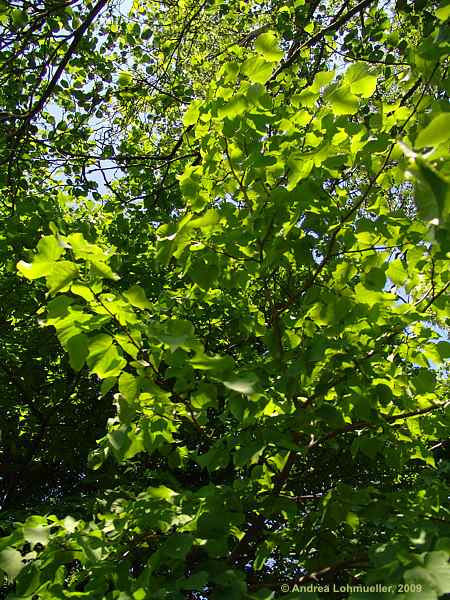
(224, 299)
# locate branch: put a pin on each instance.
(374, 248)
(370, 425)
(184, 30)
(436, 296)
(353, 209)
(252, 535)
(415, 413)
(235, 175)
(78, 35)
(358, 561)
(320, 34)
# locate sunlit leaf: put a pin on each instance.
(137, 297)
(266, 44)
(11, 562)
(435, 133)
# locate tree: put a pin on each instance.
(224, 264)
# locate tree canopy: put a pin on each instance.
(224, 299)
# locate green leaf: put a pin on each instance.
(102, 270)
(248, 454)
(11, 562)
(362, 81)
(423, 381)
(205, 222)
(125, 79)
(435, 133)
(218, 364)
(125, 442)
(257, 69)
(203, 274)
(331, 415)
(300, 166)
(176, 333)
(307, 98)
(82, 290)
(443, 349)
(370, 446)
(443, 544)
(49, 248)
(119, 441)
(244, 384)
(443, 13)
(321, 79)
(99, 344)
(19, 17)
(191, 115)
(126, 410)
(137, 297)
(58, 307)
(205, 397)
(266, 44)
(439, 187)
(211, 525)
(234, 107)
(375, 279)
(163, 492)
(109, 364)
(262, 554)
(29, 580)
(35, 532)
(177, 546)
(352, 520)
(96, 458)
(342, 101)
(433, 576)
(40, 267)
(78, 348)
(396, 272)
(128, 386)
(104, 358)
(107, 385)
(370, 297)
(61, 275)
(83, 249)
(217, 457)
(268, 341)
(198, 581)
